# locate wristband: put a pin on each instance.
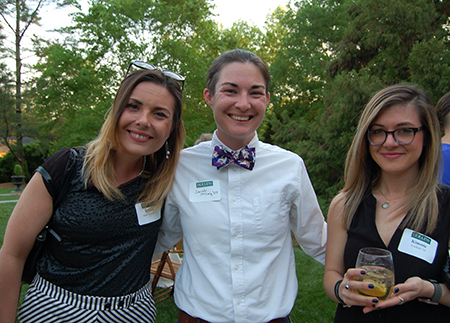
(336, 292)
(437, 291)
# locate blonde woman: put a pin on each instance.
(391, 189)
(108, 221)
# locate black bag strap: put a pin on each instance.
(69, 173)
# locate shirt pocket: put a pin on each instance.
(271, 213)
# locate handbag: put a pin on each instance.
(29, 270)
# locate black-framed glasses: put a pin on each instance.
(151, 67)
(403, 136)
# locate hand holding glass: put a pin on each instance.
(379, 267)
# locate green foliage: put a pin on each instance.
(34, 153)
(7, 111)
(7, 167)
(17, 169)
(326, 58)
(338, 54)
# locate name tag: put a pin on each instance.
(418, 245)
(144, 216)
(204, 191)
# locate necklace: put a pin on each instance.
(143, 167)
(385, 205)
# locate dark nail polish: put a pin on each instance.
(396, 290)
(363, 272)
(375, 300)
(371, 286)
(373, 305)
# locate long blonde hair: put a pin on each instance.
(362, 173)
(98, 165)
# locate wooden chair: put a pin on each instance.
(166, 268)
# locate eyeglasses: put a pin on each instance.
(403, 136)
(151, 67)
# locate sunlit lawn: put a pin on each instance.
(311, 306)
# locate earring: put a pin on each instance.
(167, 150)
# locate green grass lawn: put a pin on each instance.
(311, 306)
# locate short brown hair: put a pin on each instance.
(232, 56)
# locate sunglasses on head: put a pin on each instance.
(151, 67)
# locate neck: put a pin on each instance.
(446, 138)
(234, 143)
(393, 189)
(126, 170)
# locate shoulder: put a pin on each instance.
(201, 149)
(336, 209)
(443, 192)
(445, 146)
(338, 201)
(56, 164)
(57, 161)
(272, 151)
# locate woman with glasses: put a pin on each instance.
(390, 196)
(96, 268)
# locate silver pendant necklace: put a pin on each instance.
(385, 205)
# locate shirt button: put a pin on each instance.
(238, 302)
(233, 199)
(236, 234)
(236, 267)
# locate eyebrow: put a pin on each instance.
(256, 86)
(157, 108)
(406, 123)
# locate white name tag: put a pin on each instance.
(144, 216)
(418, 245)
(204, 191)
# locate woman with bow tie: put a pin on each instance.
(235, 201)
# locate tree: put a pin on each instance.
(338, 54)
(13, 14)
(6, 104)
(78, 77)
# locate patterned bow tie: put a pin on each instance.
(244, 157)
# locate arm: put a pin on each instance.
(170, 231)
(307, 221)
(334, 257)
(30, 215)
(334, 260)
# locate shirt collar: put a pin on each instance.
(216, 142)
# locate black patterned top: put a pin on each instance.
(104, 251)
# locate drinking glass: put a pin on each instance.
(379, 267)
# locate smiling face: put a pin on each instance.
(392, 157)
(147, 120)
(239, 103)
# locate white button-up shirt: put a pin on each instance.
(238, 263)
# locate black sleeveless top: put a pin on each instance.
(104, 251)
(363, 233)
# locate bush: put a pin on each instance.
(17, 170)
(34, 155)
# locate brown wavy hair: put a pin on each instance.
(98, 164)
